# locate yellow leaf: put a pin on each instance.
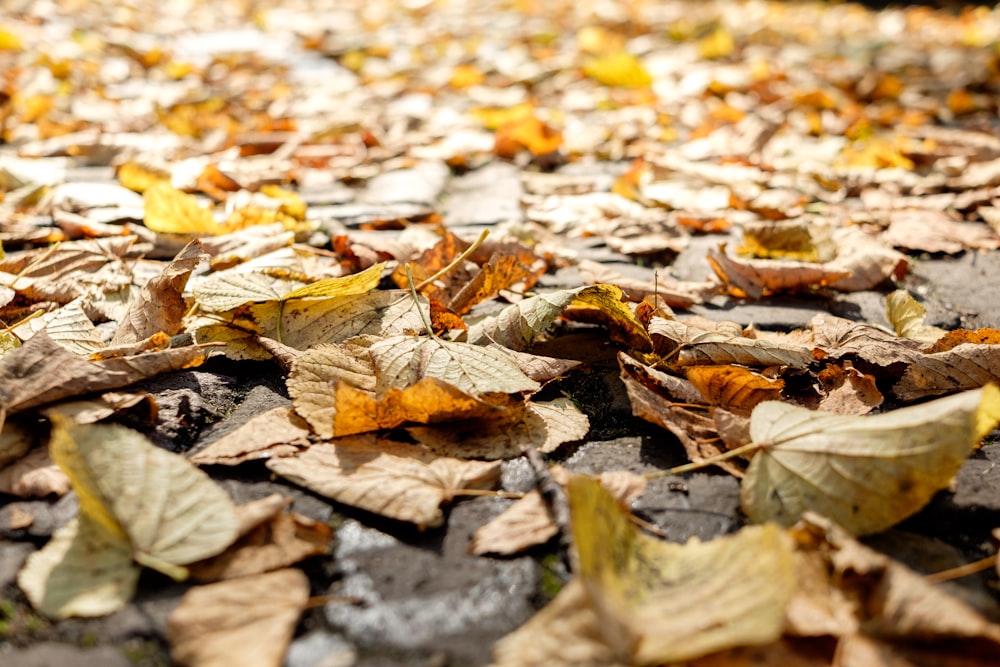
(9, 41)
(292, 204)
(618, 69)
(170, 211)
(906, 315)
(867, 473)
(493, 118)
(661, 602)
(718, 44)
(140, 177)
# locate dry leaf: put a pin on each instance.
(248, 621)
(160, 304)
(393, 479)
(137, 502)
(269, 538)
(867, 473)
(906, 316)
(733, 388)
(543, 426)
(34, 476)
(966, 366)
(660, 602)
(277, 432)
(40, 371)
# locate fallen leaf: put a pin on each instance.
(402, 361)
(40, 372)
(733, 387)
(269, 538)
(618, 69)
(396, 480)
(137, 502)
(247, 621)
(542, 425)
(966, 366)
(906, 316)
(660, 602)
(170, 211)
(160, 305)
(34, 476)
(276, 432)
(867, 473)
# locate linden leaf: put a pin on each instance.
(160, 305)
(84, 570)
(544, 426)
(170, 211)
(405, 360)
(393, 479)
(965, 366)
(867, 473)
(246, 621)
(168, 511)
(661, 602)
(906, 316)
(516, 326)
(618, 69)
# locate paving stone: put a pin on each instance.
(51, 654)
(433, 600)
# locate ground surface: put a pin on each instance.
(424, 599)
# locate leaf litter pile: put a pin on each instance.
(426, 219)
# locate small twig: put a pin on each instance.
(710, 461)
(648, 526)
(487, 492)
(962, 570)
(451, 265)
(557, 502)
(416, 302)
(320, 600)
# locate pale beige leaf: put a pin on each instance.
(169, 510)
(544, 426)
(964, 366)
(538, 368)
(160, 305)
(269, 538)
(403, 361)
(867, 473)
(393, 479)
(247, 621)
(226, 290)
(303, 323)
(660, 602)
(839, 337)
(519, 324)
(568, 632)
(906, 315)
(277, 432)
(524, 524)
(83, 571)
(69, 326)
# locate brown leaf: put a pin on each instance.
(160, 304)
(247, 621)
(848, 391)
(937, 231)
(542, 425)
(500, 273)
(393, 479)
(849, 590)
(41, 371)
(277, 432)
(34, 476)
(967, 366)
(270, 538)
(651, 393)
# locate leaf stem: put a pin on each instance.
(710, 461)
(416, 302)
(451, 265)
(962, 570)
(487, 492)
